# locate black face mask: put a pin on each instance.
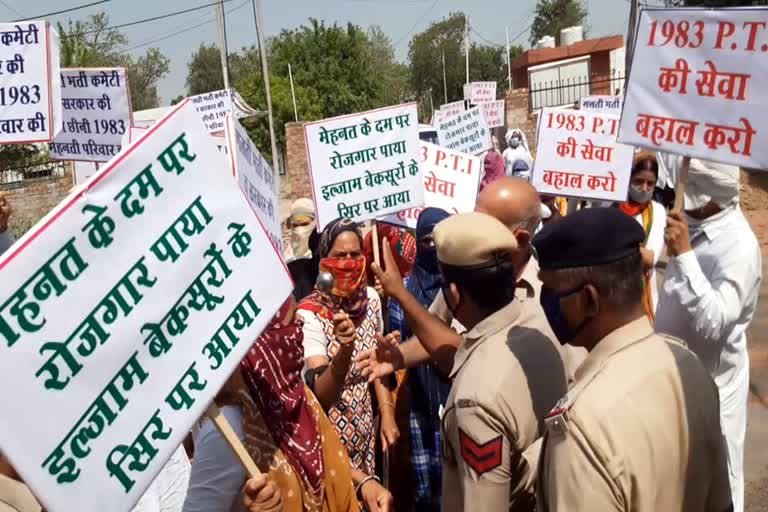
(427, 259)
(550, 302)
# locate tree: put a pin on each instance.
(19, 155)
(554, 15)
(252, 90)
(335, 61)
(446, 38)
(143, 75)
(92, 43)
(204, 71)
(394, 76)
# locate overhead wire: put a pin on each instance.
(478, 34)
(63, 11)
(181, 31)
(147, 20)
(14, 11)
(419, 20)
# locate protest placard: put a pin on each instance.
(84, 171)
(213, 108)
(451, 181)
(260, 185)
(601, 104)
(124, 311)
(30, 87)
(697, 86)
(96, 113)
(577, 156)
(466, 132)
(365, 165)
(449, 110)
(134, 132)
(480, 92)
(494, 113)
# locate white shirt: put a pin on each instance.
(655, 243)
(710, 295)
(217, 475)
(168, 490)
(315, 341)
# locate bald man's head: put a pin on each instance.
(513, 201)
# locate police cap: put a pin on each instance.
(473, 240)
(588, 237)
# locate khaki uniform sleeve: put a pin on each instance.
(482, 452)
(573, 476)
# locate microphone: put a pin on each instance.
(325, 282)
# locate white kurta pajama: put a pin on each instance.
(708, 300)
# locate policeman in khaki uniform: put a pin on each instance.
(506, 376)
(640, 429)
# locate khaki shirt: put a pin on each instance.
(16, 496)
(639, 431)
(528, 290)
(506, 376)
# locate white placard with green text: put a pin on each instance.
(365, 165)
(123, 312)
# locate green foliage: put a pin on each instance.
(19, 155)
(555, 15)
(446, 37)
(92, 43)
(393, 75)
(204, 70)
(335, 61)
(336, 70)
(252, 91)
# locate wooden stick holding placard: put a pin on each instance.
(225, 429)
(375, 240)
(682, 182)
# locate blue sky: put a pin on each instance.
(400, 19)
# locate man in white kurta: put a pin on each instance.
(710, 294)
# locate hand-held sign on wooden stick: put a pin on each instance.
(225, 429)
(682, 182)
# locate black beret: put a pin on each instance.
(588, 237)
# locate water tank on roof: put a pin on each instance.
(571, 35)
(546, 42)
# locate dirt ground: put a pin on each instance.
(754, 201)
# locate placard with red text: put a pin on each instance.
(479, 92)
(451, 180)
(697, 86)
(577, 156)
(494, 113)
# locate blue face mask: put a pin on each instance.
(550, 302)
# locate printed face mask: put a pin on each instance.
(347, 274)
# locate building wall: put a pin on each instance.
(33, 199)
(600, 69)
(296, 180)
